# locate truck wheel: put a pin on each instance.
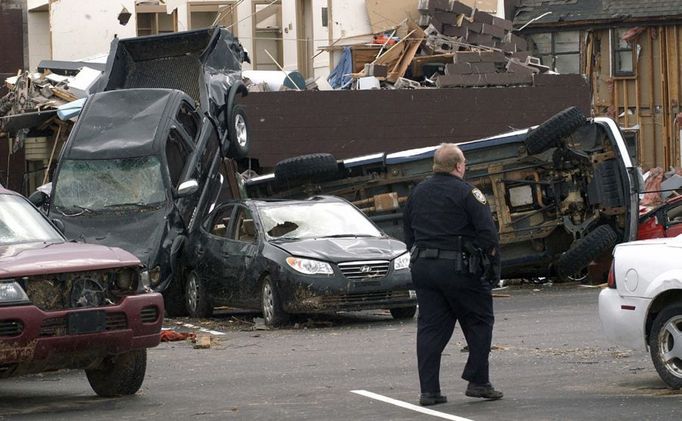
(119, 374)
(575, 259)
(273, 313)
(550, 133)
(238, 132)
(403, 312)
(318, 166)
(666, 352)
(197, 298)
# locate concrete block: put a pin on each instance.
(445, 17)
(461, 8)
(473, 26)
(469, 68)
(513, 66)
(493, 57)
(493, 30)
(376, 70)
(503, 23)
(455, 31)
(483, 17)
(520, 55)
(467, 57)
(507, 79)
(521, 44)
(480, 39)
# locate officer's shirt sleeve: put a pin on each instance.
(408, 233)
(481, 218)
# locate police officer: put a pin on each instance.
(455, 261)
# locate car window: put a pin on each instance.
(315, 220)
(22, 223)
(188, 120)
(219, 224)
(176, 156)
(245, 228)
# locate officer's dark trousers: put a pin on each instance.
(445, 297)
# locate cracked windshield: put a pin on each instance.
(316, 220)
(104, 184)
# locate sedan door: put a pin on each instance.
(240, 250)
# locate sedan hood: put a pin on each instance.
(30, 259)
(344, 249)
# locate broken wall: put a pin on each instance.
(355, 123)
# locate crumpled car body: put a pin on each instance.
(69, 305)
(119, 181)
(298, 256)
(664, 220)
(562, 193)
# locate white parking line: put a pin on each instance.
(409, 406)
(202, 329)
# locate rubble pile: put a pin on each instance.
(452, 45)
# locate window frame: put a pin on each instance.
(553, 50)
(616, 50)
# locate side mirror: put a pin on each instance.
(187, 187)
(38, 198)
(59, 224)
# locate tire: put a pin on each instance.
(197, 299)
(550, 133)
(239, 133)
(174, 298)
(318, 166)
(403, 312)
(575, 259)
(271, 305)
(119, 375)
(662, 341)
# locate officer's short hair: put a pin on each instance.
(446, 157)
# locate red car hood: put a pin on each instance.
(43, 258)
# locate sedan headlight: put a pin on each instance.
(151, 277)
(402, 262)
(12, 293)
(310, 267)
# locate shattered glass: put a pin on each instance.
(93, 185)
(315, 221)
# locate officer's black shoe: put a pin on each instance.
(427, 399)
(486, 391)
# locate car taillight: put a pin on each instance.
(611, 282)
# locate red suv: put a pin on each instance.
(71, 305)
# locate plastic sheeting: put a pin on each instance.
(340, 77)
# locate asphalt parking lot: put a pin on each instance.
(549, 358)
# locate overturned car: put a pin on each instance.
(562, 193)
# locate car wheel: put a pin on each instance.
(318, 166)
(174, 299)
(574, 260)
(196, 297)
(239, 134)
(550, 133)
(665, 345)
(403, 312)
(273, 314)
(119, 375)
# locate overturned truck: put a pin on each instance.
(562, 193)
(146, 159)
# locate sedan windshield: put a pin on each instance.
(21, 223)
(91, 185)
(315, 220)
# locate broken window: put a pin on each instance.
(92, 185)
(176, 156)
(205, 14)
(316, 220)
(267, 24)
(188, 120)
(246, 228)
(221, 222)
(558, 50)
(153, 19)
(623, 54)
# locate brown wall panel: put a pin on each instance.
(354, 123)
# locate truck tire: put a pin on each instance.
(600, 240)
(317, 167)
(238, 132)
(664, 351)
(119, 375)
(550, 133)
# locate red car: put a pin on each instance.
(661, 221)
(71, 305)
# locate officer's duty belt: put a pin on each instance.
(438, 254)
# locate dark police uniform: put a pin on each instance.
(444, 216)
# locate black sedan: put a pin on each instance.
(295, 256)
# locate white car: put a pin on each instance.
(642, 306)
